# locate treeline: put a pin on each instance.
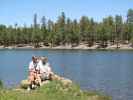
(112, 30)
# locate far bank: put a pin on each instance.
(70, 47)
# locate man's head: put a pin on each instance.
(34, 59)
(44, 60)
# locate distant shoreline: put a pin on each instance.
(79, 47)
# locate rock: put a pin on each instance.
(24, 84)
(66, 82)
(95, 97)
(55, 77)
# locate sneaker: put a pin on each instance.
(33, 86)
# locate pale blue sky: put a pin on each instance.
(22, 11)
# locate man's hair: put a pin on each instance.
(44, 59)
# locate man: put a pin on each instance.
(44, 69)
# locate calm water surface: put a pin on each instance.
(110, 72)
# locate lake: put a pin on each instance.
(110, 72)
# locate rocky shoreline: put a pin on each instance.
(69, 47)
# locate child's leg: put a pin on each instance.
(31, 79)
(38, 79)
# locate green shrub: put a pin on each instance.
(1, 84)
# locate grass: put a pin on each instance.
(55, 90)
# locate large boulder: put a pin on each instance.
(55, 77)
(66, 82)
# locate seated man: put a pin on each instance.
(44, 69)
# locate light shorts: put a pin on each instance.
(44, 76)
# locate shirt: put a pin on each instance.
(32, 66)
(43, 68)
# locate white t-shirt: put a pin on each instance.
(43, 68)
(32, 66)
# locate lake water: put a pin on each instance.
(110, 72)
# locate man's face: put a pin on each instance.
(34, 60)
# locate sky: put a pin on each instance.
(22, 11)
